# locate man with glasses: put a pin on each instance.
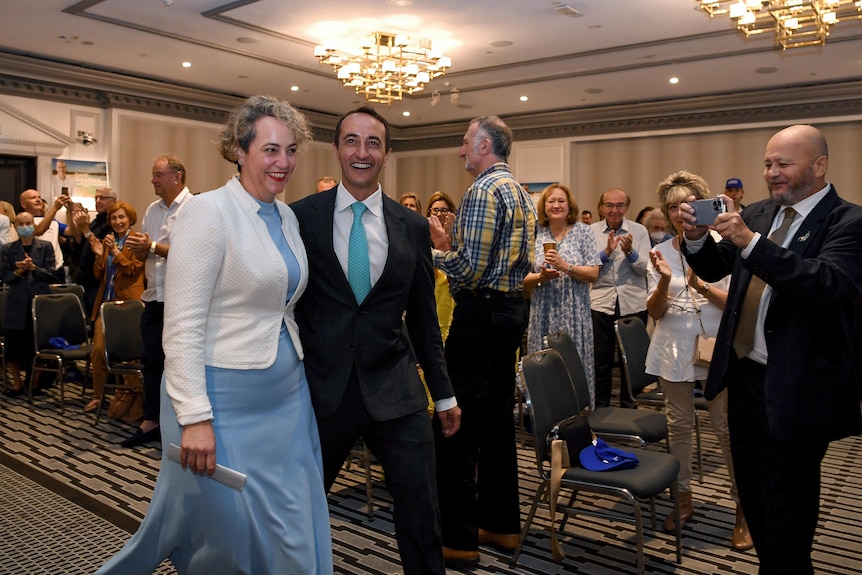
(621, 290)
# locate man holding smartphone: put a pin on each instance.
(784, 347)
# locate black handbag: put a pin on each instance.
(576, 432)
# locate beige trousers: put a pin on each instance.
(679, 408)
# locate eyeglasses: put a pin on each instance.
(439, 210)
(103, 198)
(617, 206)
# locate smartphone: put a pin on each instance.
(705, 211)
(64, 191)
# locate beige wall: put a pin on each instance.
(128, 142)
(637, 165)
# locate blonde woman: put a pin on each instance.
(683, 306)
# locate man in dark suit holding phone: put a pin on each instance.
(369, 267)
(784, 347)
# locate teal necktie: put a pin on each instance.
(358, 266)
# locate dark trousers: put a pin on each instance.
(152, 324)
(477, 468)
(778, 481)
(405, 449)
(605, 350)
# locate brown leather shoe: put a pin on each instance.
(741, 540)
(459, 558)
(686, 510)
(499, 541)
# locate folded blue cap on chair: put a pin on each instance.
(60, 343)
(602, 457)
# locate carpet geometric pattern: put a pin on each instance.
(70, 496)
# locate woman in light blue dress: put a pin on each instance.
(566, 263)
(235, 391)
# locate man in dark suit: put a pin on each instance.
(361, 370)
(784, 346)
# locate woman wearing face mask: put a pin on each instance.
(122, 278)
(656, 224)
(27, 267)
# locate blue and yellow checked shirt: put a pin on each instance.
(493, 237)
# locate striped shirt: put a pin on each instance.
(493, 237)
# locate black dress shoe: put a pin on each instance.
(140, 437)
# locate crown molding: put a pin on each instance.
(41, 79)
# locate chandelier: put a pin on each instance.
(796, 23)
(387, 68)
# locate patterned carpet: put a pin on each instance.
(69, 496)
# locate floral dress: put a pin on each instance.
(563, 304)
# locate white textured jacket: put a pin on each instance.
(225, 292)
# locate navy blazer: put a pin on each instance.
(810, 390)
(339, 335)
(23, 289)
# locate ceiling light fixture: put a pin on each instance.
(796, 23)
(387, 67)
(435, 98)
(453, 95)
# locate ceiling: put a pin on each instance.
(612, 53)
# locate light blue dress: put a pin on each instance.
(264, 427)
(564, 303)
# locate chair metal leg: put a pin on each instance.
(540, 494)
(674, 490)
(639, 535)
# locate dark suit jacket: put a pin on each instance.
(810, 390)
(22, 289)
(338, 334)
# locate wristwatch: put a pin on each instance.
(153, 248)
(704, 290)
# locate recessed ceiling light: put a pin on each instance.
(523, 98)
(294, 88)
(674, 80)
(405, 113)
(187, 64)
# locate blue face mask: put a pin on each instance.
(25, 231)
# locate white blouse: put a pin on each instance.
(672, 345)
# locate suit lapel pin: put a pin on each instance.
(803, 238)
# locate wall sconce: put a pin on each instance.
(435, 98)
(453, 96)
(86, 138)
